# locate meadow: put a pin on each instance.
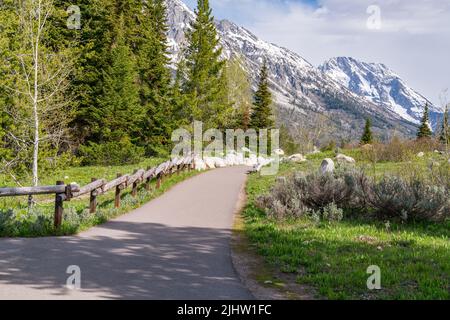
(332, 257)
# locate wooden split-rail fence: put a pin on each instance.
(98, 187)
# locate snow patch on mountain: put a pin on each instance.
(380, 85)
(302, 91)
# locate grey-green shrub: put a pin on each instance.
(396, 198)
(351, 191)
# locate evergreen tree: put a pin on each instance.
(154, 74)
(205, 82)
(261, 117)
(424, 129)
(445, 129)
(367, 137)
(120, 108)
(98, 31)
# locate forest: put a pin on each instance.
(94, 84)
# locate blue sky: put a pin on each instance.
(413, 38)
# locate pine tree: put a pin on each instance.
(205, 82)
(155, 79)
(367, 137)
(424, 129)
(445, 129)
(97, 34)
(120, 108)
(261, 117)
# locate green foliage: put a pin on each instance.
(262, 117)
(120, 109)
(111, 153)
(367, 137)
(205, 79)
(156, 92)
(424, 129)
(287, 142)
(444, 136)
(239, 93)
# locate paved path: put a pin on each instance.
(174, 247)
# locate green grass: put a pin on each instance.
(334, 257)
(16, 220)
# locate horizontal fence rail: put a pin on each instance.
(98, 187)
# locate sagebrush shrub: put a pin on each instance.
(328, 196)
(396, 198)
(331, 212)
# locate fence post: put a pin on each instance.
(158, 182)
(93, 199)
(135, 187)
(59, 206)
(117, 198)
(147, 182)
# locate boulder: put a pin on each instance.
(199, 164)
(278, 152)
(251, 161)
(210, 163)
(297, 158)
(230, 159)
(342, 158)
(219, 162)
(421, 155)
(327, 166)
(239, 160)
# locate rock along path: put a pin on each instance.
(174, 247)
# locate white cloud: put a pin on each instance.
(414, 38)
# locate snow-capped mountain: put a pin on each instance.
(379, 85)
(303, 93)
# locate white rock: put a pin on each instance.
(219, 162)
(278, 152)
(231, 160)
(297, 158)
(327, 166)
(239, 159)
(210, 163)
(251, 160)
(200, 165)
(421, 155)
(343, 158)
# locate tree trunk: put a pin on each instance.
(35, 104)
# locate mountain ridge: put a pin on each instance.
(379, 84)
(302, 91)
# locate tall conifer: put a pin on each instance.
(367, 137)
(205, 81)
(424, 129)
(262, 117)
